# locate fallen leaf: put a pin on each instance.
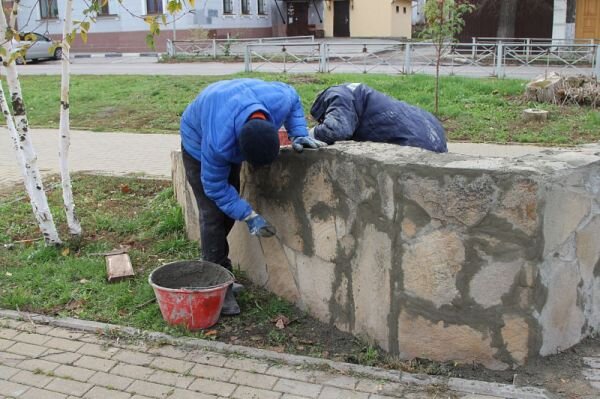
(125, 189)
(256, 338)
(211, 333)
(65, 252)
(281, 321)
(278, 349)
(300, 348)
(83, 281)
(8, 274)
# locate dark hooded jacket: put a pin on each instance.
(358, 112)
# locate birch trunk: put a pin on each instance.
(65, 134)
(25, 153)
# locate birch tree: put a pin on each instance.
(65, 133)
(18, 126)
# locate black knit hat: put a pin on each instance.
(259, 142)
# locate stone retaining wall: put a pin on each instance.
(446, 257)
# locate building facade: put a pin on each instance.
(122, 28)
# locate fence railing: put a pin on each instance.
(472, 59)
(223, 47)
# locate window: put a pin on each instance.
(261, 7)
(154, 7)
(227, 6)
(245, 7)
(48, 9)
(104, 8)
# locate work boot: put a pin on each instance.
(230, 305)
(237, 288)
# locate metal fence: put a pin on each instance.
(468, 59)
(214, 48)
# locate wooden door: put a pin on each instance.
(297, 19)
(587, 23)
(341, 18)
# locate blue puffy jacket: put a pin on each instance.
(358, 112)
(212, 123)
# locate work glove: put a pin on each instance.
(300, 143)
(258, 226)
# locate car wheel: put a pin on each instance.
(58, 53)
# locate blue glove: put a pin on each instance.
(258, 226)
(299, 143)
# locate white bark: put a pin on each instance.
(65, 134)
(25, 152)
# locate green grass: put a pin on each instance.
(477, 110)
(142, 215)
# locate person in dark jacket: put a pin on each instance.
(358, 112)
(230, 122)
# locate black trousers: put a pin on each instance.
(214, 224)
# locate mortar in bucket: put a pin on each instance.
(191, 293)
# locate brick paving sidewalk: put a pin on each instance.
(47, 361)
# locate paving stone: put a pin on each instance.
(131, 357)
(149, 389)
(212, 372)
(375, 396)
(297, 388)
(5, 343)
(253, 380)
(75, 373)
(254, 393)
(7, 333)
(35, 393)
(62, 357)
(28, 350)
(204, 357)
(7, 372)
(380, 387)
(38, 365)
(247, 365)
(168, 351)
(140, 397)
(174, 365)
(64, 344)
(593, 362)
(131, 371)
(95, 363)
(290, 396)
(31, 338)
(337, 393)
(173, 379)
(212, 387)
(12, 389)
(181, 394)
(68, 387)
(103, 393)
(14, 324)
(592, 374)
(63, 333)
(26, 377)
(339, 381)
(110, 380)
(292, 373)
(96, 350)
(475, 396)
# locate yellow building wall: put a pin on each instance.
(401, 21)
(370, 18)
(373, 18)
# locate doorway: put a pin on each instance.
(587, 24)
(297, 15)
(341, 18)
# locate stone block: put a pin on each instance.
(185, 195)
(415, 250)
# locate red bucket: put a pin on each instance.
(191, 293)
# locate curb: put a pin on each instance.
(456, 384)
(114, 55)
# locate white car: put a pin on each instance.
(38, 47)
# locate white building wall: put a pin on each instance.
(208, 14)
(559, 27)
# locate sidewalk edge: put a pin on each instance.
(456, 384)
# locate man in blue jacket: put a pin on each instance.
(232, 121)
(358, 112)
